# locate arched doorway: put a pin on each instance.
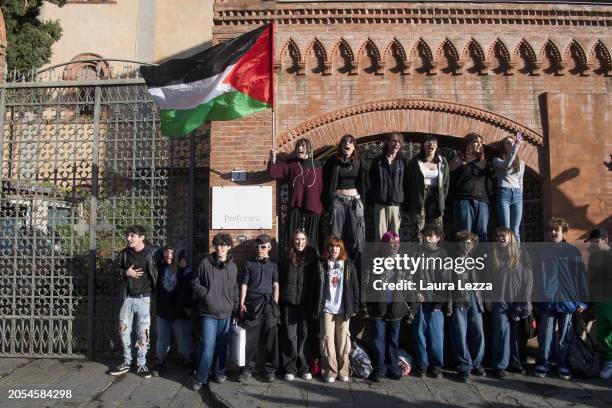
(371, 146)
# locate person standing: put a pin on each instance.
(512, 287)
(215, 291)
(136, 269)
(387, 178)
(297, 271)
(345, 188)
(305, 177)
(472, 188)
(336, 300)
(173, 309)
(259, 309)
(466, 308)
(509, 171)
(560, 289)
(387, 315)
(427, 181)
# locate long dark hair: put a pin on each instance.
(294, 256)
(469, 138)
(174, 265)
(421, 155)
(355, 155)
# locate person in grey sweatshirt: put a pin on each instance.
(215, 289)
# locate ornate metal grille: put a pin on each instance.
(369, 148)
(80, 161)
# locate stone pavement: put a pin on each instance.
(91, 387)
(515, 391)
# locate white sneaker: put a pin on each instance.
(289, 377)
(344, 378)
(307, 376)
(606, 371)
(329, 379)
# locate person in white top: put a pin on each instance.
(509, 171)
(427, 181)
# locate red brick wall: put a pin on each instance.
(496, 61)
(580, 143)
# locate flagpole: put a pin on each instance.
(272, 84)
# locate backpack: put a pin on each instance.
(361, 365)
(583, 355)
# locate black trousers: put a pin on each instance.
(293, 340)
(261, 331)
(306, 220)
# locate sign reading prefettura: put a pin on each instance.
(244, 207)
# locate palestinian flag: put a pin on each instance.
(228, 81)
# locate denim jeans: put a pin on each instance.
(182, 332)
(546, 336)
(214, 339)
(386, 347)
(467, 337)
(471, 215)
(506, 341)
(509, 206)
(141, 308)
(428, 331)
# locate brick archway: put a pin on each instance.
(413, 115)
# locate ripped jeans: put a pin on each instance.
(141, 307)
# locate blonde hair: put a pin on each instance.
(511, 253)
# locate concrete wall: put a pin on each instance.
(146, 30)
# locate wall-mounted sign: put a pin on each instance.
(248, 207)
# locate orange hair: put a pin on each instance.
(334, 241)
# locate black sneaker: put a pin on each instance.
(159, 369)
(143, 372)
(394, 376)
(418, 372)
(189, 367)
(479, 371)
(501, 374)
(269, 377)
(374, 378)
(120, 369)
(517, 370)
(436, 372)
(244, 376)
(463, 376)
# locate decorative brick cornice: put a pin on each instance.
(393, 13)
(451, 108)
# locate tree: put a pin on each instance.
(29, 39)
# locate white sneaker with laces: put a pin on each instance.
(344, 378)
(329, 380)
(289, 377)
(307, 376)
(606, 371)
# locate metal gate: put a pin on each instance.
(80, 161)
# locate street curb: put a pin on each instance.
(215, 398)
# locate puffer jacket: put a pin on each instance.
(295, 281)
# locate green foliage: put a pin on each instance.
(29, 39)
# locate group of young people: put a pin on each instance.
(311, 294)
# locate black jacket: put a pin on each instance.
(295, 281)
(330, 177)
(215, 287)
(387, 186)
(350, 290)
(121, 265)
(415, 186)
(171, 305)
